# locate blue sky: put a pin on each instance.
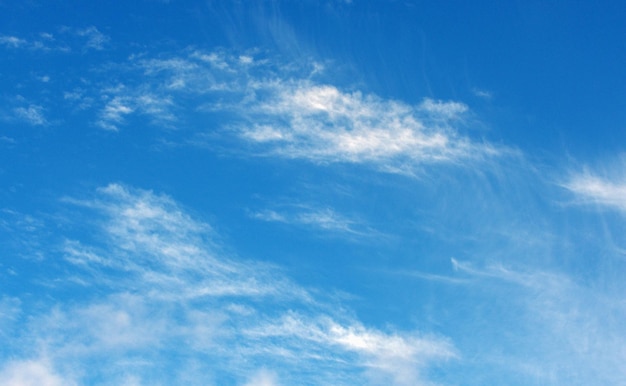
(312, 192)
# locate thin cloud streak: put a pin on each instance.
(46, 43)
(157, 243)
(321, 219)
(401, 357)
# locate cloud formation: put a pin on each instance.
(274, 107)
(95, 39)
(571, 330)
(322, 219)
(280, 110)
(31, 373)
(44, 42)
(12, 41)
(323, 124)
(595, 189)
(164, 289)
(33, 114)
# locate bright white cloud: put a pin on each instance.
(323, 124)
(278, 108)
(113, 113)
(282, 111)
(400, 358)
(592, 188)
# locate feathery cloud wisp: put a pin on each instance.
(281, 111)
(324, 219)
(592, 188)
(165, 290)
(323, 124)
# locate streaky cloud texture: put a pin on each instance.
(283, 112)
(175, 291)
(312, 193)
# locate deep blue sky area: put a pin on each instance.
(312, 193)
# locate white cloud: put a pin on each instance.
(321, 123)
(269, 215)
(156, 289)
(46, 43)
(95, 39)
(400, 358)
(12, 41)
(281, 111)
(573, 331)
(113, 113)
(31, 373)
(158, 244)
(444, 111)
(122, 102)
(482, 93)
(325, 219)
(595, 189)
(33, 114)
(263, 377)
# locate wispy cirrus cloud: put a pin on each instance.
(482, 93)
(44, 42)
(323, 124)
(169, 250)
(592, 188)
(279, 109)
(164, 289)
(89, 38)
(323, 219)
(572, 332)
(274, 108)
(296, 117)
(122, 103)
(399, 358)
